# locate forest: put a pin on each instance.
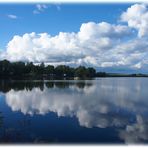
(28, 70)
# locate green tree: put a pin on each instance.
(41, 68)
(91, 72)
(23, 70)
(18, 68)
(49, 70)
(29, 68)
(60, 70)
(81, 72)
(5, 68)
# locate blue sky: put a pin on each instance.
(110, 37)
(68, 18)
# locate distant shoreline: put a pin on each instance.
(71, 79)
(29, 71)
(125, 75)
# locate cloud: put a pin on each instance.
(95, 30)
(122, 105)
(137, 17)
(40, 8)
(120, 95)
(11, 16)
(84, 47)
(137, 132)
(98, 44)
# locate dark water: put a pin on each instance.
(102, 111)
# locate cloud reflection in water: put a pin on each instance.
(120, 103)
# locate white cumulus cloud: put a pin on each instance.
(98, 44)
(137, 17)
(84, 47)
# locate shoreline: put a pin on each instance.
(71, 79)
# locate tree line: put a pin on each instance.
(28, 70)
(6, 86)
(31, 71)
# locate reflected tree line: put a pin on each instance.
(1, 119)
(22, 70)
(6, 86)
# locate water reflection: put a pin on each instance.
(120, 103)
(6, 86)
(1, 119)
(136, 132)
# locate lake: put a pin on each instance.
(100, 111)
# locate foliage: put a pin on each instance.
(22, 70)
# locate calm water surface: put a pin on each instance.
(103, 111)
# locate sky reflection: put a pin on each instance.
(120, 103)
